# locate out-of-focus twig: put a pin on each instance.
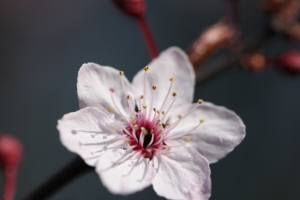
(233, 58)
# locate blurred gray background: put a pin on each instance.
(44, 43)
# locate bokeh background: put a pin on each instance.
(44, 43)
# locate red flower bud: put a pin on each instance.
(10, 151)
(290, 60)
(135, 8)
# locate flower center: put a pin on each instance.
(147, 129)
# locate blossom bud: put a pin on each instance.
(10, 151)
(290, 60)
(135, 8)
(255, 61)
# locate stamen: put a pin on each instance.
(121, 73)
(172, 126)
(145, 78)
(185, 133)
(172, 80)
(154, 87)
(174, 95)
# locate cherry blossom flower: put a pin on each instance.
(149, 132)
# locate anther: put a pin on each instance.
(141, 96)
(200, 101)
(154, 109)
(145, 106)
(179, 116)
(136, 127)
(110, 109)
(187, 139)
(154, 87)
(121, 73)
(174, 94)
(122, 119)
(146, 68)
(172, 79)
(152, 131)
(158, 121)
(144, 131)
(128, 97)
(163, 112)
(202, 121)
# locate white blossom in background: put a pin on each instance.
(149, 132)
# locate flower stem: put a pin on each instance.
(72, 170)
(10, 174)
(147, 35)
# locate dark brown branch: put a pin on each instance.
(74, 169)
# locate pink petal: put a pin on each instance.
(171, 63)
(86, 133)
(217, 136)
(124, 173)
(182, 174)
(95, 85)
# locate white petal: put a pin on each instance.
(171, 63)
(124, 173)
(94, 86)
(217, 136)
(182, 174)
(86, 133)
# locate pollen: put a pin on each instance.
(172, 79)
(146, 68)
(187, 139)
(154, 87)
(179, 116)
(144, 131)
(121, 73)
(136, 127)
(110, 109)
(145, 106)
(174, 94)
(202, 121)
(200, 101)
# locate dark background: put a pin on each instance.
(44, 43)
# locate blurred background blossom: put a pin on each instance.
(43, 44)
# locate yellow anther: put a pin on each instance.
(168, 149)
(154, 109)
(174, 94)
(145, 106)
(163, 112)
(168, 123)
(179, 116)
(141, 96)
(202, 121)
(122, 119)
(158, 121)
(133, 121)
(146, 68)
(172, 79)
(110, 109)
(136, 127)
(132, 117)
(154, 87)
(144, 131)
(200, 101)
(187, 139)
(121, 73)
